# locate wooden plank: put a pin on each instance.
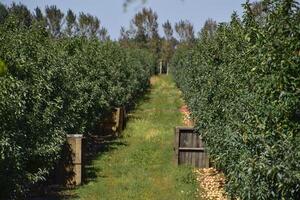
(192, 152)
(181, 158)
(176, 146)
(185, 128)
(197, 154)
(200, 149)
(182, 139)
(206, 160)
(189, 143)
(200, 160)
(197, 160)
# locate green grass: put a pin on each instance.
(140, 164)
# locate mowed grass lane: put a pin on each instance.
(140, 165)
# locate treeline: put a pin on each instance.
(55, 82)
(142, 32)
(241, 81)
(56, 21)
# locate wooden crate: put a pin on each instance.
(189, 148)
(69, 171)
(76, 167)
(115, 121)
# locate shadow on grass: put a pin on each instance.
(96, 144)
(55, 193)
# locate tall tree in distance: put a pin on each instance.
(168, 30)
(168, 43)
(88, 25)
(103, 34)
(185, 31)
(209, 28)
(145, 24)
(127, 37)
(259, 10)
(143, 33)
(145, 28)
(70, 23)
(38, 15)
(54, 19)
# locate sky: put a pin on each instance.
(112, 14)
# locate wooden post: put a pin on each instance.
(119, 120)
(160, 67)
(75, 168)
(124, 117)
(167, 68)
(116, 119)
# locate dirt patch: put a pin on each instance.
(186, 116)
(212, 183)
(153, 80)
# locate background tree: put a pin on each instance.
(168, 30)
(259, 11)
(127, 36)
(103, 34)
(168, 44)
(144, 26)
(88, 25)
(185, 31)
(70, 23)
(38, 15)
(209, 28)
(54, 19)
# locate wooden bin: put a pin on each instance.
(189, 148)
(75, 168)
(115, 122)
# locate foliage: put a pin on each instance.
(3, 68)
(242, 84)
(53, 86)
(22, 13)
(3, 13)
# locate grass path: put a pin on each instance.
(140, 165)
